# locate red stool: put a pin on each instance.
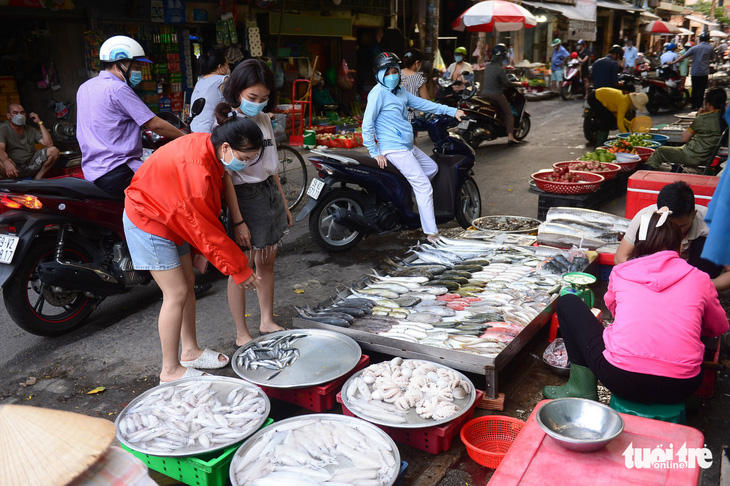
(554, 323)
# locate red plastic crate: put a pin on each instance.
(319, 398)
(644, 186)
(428, 439)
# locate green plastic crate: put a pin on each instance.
(209, 469)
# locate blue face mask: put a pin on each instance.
(391, 81)
(235, 164)
(135, 77)
(458, 58)
(250, 108)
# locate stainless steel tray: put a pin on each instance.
(477, 223)
(223, 385)
(413, 420)
(352, 421)
(323, 356)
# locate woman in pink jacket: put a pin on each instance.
(661, 306)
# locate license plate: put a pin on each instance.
(315, 187)
(464, 125)
(8, 244)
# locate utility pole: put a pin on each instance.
(712, 10)
(432, 35)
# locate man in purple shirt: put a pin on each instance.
(110, 115)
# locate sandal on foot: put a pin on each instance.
(189, 373)
(207, 361)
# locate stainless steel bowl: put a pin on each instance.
(558, 370)
(579, 424)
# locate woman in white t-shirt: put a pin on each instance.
(260, 217)
(214, 71)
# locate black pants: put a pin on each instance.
(699, 85)
(583, 336)
(696, 260)
(606, 119)
(116, 180)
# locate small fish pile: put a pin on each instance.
(272, 354)
(340, 314)
(559, 265)
(317, 450)
(584, 228)
(387, 391)
(506, 223)
(194, 416)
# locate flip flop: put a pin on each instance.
(189, 373)
(207, 361)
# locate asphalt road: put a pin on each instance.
(119, 349)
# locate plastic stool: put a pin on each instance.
(666, 412)
(554, 323)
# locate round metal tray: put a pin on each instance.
(223, 386)
(477, 223)
(352, 421)
(413, 420)
(323, 356)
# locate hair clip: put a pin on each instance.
(646, 217)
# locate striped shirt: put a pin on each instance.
(412, 84)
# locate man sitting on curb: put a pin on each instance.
(18, 156)
(680, 200)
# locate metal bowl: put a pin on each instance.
(578, 424)
(558, 370)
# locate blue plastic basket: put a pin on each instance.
(655, 137)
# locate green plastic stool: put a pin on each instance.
(666, 412)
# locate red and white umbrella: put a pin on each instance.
(496, 15)
(658, 27)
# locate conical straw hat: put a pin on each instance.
(49, 447)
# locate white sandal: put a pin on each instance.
(207, 361)
(189, 373)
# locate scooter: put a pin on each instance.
(483, 121)
(446, 95)
(666, 90)
(62, 252)
(353, 197)
(572, 80)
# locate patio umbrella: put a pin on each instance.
(492, 15)
(717, 33)
(659, 27)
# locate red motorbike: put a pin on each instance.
(62, 252)
(665, 90)
(572, 80)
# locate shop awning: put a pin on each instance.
(683, 31)
(700, 20)
(619, 6)
(568, 11)
(648, 17)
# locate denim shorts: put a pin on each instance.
(151, 252)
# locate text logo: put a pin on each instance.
(667, 458)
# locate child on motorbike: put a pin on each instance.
(386, 117)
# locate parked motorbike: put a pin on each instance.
(446, 95)
(62, 252)
(353, 197)
(572, 80)
(483, 121)
(666, 90)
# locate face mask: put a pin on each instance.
(135, 78)
(252, 109)
(391, 81)
(18, 120)
(458, 58)
(235, 164)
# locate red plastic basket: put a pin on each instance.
(589, 183)
(319, 398)
(434, 439)
(643, 152)
(613, 168)
(487, 439)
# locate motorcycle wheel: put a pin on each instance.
(684, 101)
(566, 92)
(470, 203)
(589, 131)
(42, 311)
(653, 105)
(524, 128)
(325, 231)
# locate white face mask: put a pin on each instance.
(18, 120)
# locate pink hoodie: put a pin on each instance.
(661, 305)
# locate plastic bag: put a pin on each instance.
(344, 80)
(438, 62)
(556, 354)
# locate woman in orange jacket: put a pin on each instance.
(173, 204)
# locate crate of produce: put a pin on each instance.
(607, 192)
(319, 398)
(644, 186)
(428, 439)
(607, 169)
(210, 469)
(653, 137)
(323, 129)
(587, 182)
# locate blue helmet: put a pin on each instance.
(671, 47)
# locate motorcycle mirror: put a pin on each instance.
(468, 92)
(197, 107)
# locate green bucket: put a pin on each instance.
(310, 139)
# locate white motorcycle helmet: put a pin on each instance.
(121, 47)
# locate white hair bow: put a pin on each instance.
(646, 217)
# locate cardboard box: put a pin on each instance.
(644, 186)
(8, 84)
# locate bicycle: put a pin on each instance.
(292, 174)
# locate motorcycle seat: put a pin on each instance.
(71, 187)
(364, 159)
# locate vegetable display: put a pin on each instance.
(600, 155)
(590, 166)
(562, 175)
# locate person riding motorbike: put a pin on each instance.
(605, 70)
(460, 70)
(110, 115)
(670, 54)
(495, 80)
(611, 106)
